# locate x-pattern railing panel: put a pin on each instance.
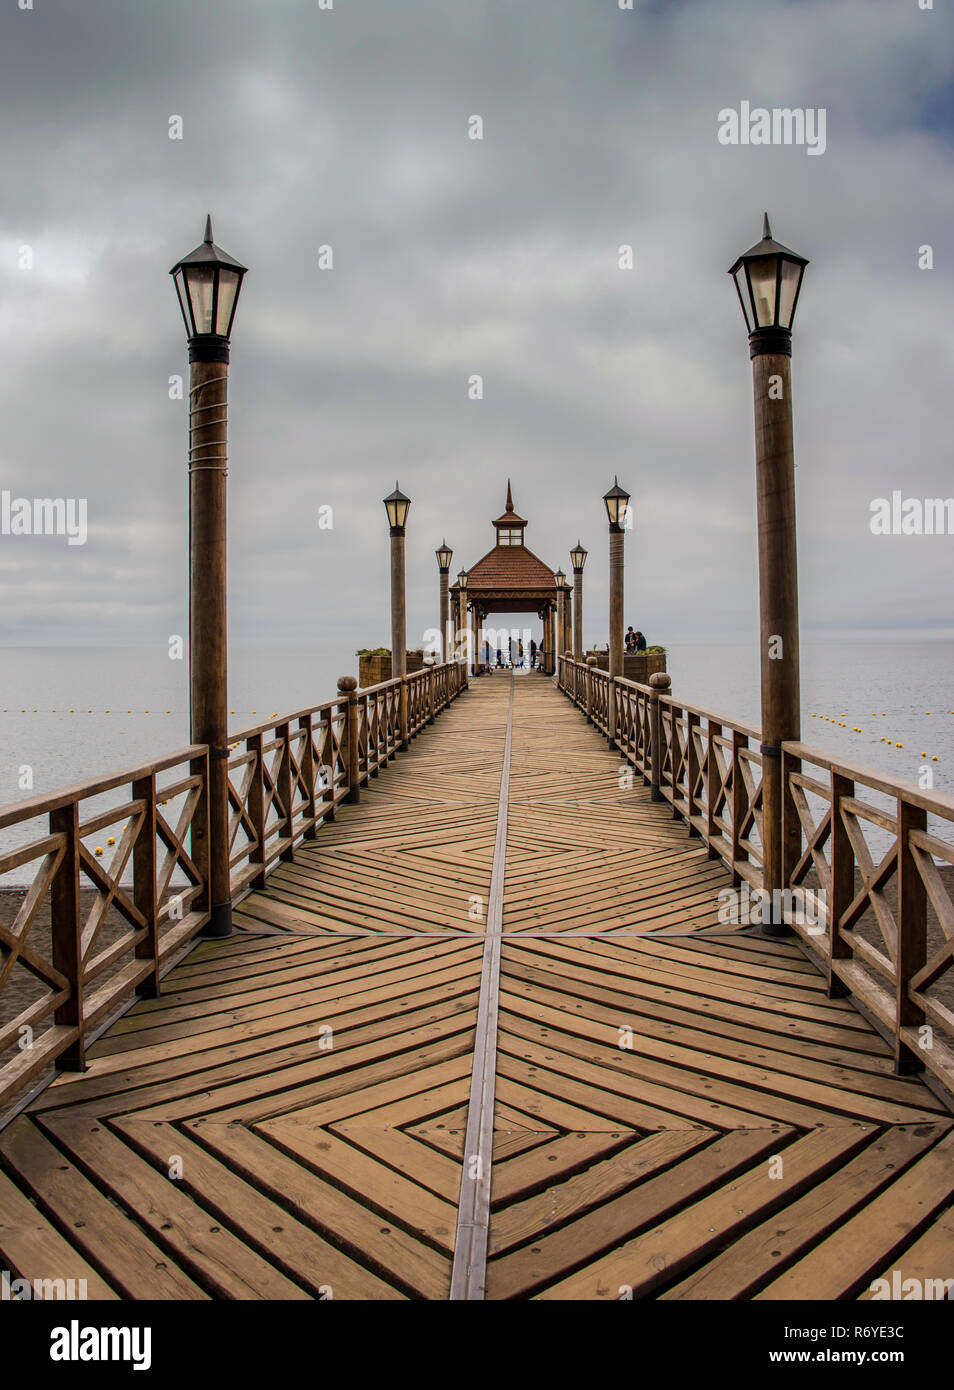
(86, 931)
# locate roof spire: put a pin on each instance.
(509, 507)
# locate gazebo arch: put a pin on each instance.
(511, 579)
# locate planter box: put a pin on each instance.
(372, 670)
(638, 666)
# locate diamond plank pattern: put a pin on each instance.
(679, 1113)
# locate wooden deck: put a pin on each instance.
(485, 1037)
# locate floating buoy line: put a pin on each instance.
(840, 723)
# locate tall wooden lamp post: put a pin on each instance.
(208, 283)
(397, 507)
(768, 279)
(578, 560)
(560, 630)
(444, 556)
(463, 627)
(617, 501)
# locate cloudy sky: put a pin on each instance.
(305, 126)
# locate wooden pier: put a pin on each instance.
(482, 1034)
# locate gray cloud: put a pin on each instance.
(454, 257)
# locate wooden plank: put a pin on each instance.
(138, 1268)
(32, 1248)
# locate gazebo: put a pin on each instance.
(511, 579)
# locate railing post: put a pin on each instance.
(692, 771)
(199, 833)
(255, 745)
(589, 683)
(327, 759)
(348, 686)
(712, 785)
(310, 775)
(285, 791)
(67, 936)
(144, 885)
(912, 936)
(431, 694)
(403, 716)
(842, 883)
(739, 741)
(659, 684)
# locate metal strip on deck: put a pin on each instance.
(469, 1273)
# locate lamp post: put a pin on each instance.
(768, 279)
(208, 283)
(464, 623)
(561, 589)
(617, 501)
(578, 560)
(444, 556)
(397, 506)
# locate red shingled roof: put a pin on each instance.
(510, 567)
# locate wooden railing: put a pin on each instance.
(101, 916)
(707, 767)
(883, 950)
(102, 912)
(892, 956)
(293, 772)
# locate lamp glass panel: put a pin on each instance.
(742, 285)
(791, 276)
(228, 289)
(616, 509)
(762, 276)
(200, 280)
(183, 300)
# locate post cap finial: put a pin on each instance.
(346, 683)
(660, 680)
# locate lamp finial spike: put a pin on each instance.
(766, 229)
(208, 229)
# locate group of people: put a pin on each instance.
(515, 654)
(634, 641)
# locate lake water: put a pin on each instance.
(54, 702)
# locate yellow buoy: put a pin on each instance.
(111, 840)
(934, 759)
(899, 745)
(99, 849)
